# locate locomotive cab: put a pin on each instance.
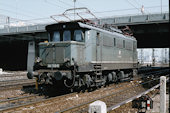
(63, 37)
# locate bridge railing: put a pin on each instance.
(136, 19)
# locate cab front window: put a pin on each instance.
(78, 35)
(67, 35)
(56, 36)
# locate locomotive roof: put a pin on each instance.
(105, 31)
(80, 25)
(64, 25)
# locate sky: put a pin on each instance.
(41, 9)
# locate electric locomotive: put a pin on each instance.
(81, 54)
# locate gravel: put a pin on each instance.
(10, 94)
(14, 75)
(77, 99)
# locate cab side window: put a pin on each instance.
(67, 35)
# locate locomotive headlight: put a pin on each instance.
(35, 73)
(38, 59)
(66, 60)
(45, 41)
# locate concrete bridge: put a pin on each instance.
(117, 21)
(148, 29)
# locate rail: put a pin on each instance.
(29, 103)
(84, 107)
(132, 98)
(14, 84)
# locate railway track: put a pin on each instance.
(56, 99)
(14, 80)
(13, 74)
(145, 70)
(66, 98)
(119, 97)
(16, 101)
(32, 100)
(113, 100)
(78, 102)
(15, 84)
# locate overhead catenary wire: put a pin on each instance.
(17, 20)
(65, 3)
(54, 4)
(48, 2)
(15, 12)
(86, 5)
(4, 18)
(127, 9)
(32, 13)
(31, 21)
(141, 5)
(23, 14)
(137, 2)
(133, 5)
(36, 19)
(137, 7)
(39, 20)
(108, 11)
